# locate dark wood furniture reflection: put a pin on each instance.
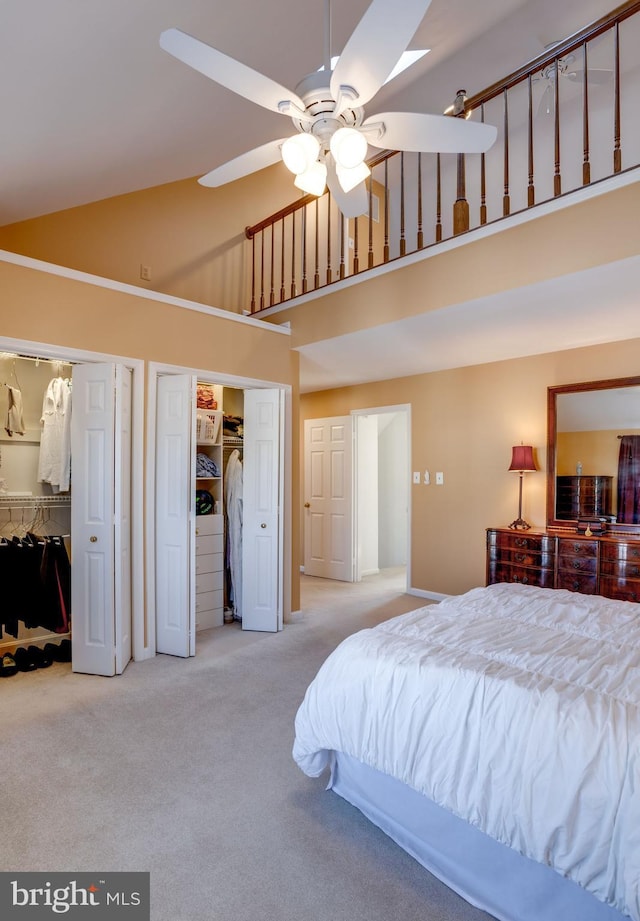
(584, 496)
(606, 565)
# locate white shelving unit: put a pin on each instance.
(210, 526)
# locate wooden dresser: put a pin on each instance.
(584, 496)
(604, 565)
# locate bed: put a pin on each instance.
(496, 737)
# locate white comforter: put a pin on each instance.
(516, 708)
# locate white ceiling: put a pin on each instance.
(91, 107)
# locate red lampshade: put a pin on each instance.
(522, 458)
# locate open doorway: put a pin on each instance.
(356, 493)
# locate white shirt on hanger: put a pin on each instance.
(54, 465)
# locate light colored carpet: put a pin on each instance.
(183, 768)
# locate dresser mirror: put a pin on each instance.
(586, 424)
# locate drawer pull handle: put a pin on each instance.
(520, 557)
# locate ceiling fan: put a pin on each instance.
(327, 108)
(568, 68)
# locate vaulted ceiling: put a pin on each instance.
(91, 107)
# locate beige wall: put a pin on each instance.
(43, 308)
(518, 256)
(191, 238)
(464, 423)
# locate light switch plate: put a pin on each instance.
(416, 477)
(439, 479)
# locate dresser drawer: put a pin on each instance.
(622, 589)
(572, 563)
(209, 543)
(504, 572)
(209, 582)
(209, 562)
(208, 601)
(572, 547)
(577, 582)
(525, 543)
(620, 550)
(208, 524)
(620, 569)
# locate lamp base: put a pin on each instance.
(520, 525)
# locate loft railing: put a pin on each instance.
(566, 120)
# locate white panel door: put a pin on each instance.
(328, 492)
(175, 529)
(261, 514)
(95, 641)
(123, 517)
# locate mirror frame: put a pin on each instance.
(552, 394)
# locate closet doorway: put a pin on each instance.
(206, 573)
(94, 519)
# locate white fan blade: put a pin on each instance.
(228, 72)
(246, 163)
(429, 133)
(593, 75)
(352, 203)
(375, 47)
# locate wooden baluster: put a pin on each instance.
(253, 273)
(531, 192)
(329, 237)
(506, 200)
(420, 237)
(282, 291)
(342, 220)
(262, 270)
(304, 249)
(370, 260)
(385, 255)
(356, 258)
(316, 275)
(403, 240)
(617, 151)
(293, 255)
(586, 166)
(557, 182)
(438, 201)
(461, 205)
(272, 297)
(483, 180)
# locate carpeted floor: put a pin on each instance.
(183, 768)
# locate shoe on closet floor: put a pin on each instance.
(24, 660)
(40, 657)
(8, 666)
(58, 652)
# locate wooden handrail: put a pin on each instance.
(536, 64)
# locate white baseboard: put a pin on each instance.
(421, 593)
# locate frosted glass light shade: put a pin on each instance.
(313, 180)
(299, 152)
(350, 178)
(349, 147)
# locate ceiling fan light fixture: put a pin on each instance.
(299, 152)
(350, 178)
(313, 180)
(348, 147)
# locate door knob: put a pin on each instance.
(93, 539)
(307, 505)
(263, 525)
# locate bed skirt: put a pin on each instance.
(483, 871)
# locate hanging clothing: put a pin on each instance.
(233, 505)
(629, 480)
(54, 465)
(15, 418)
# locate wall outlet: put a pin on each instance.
(439, 479)
(145, 272)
